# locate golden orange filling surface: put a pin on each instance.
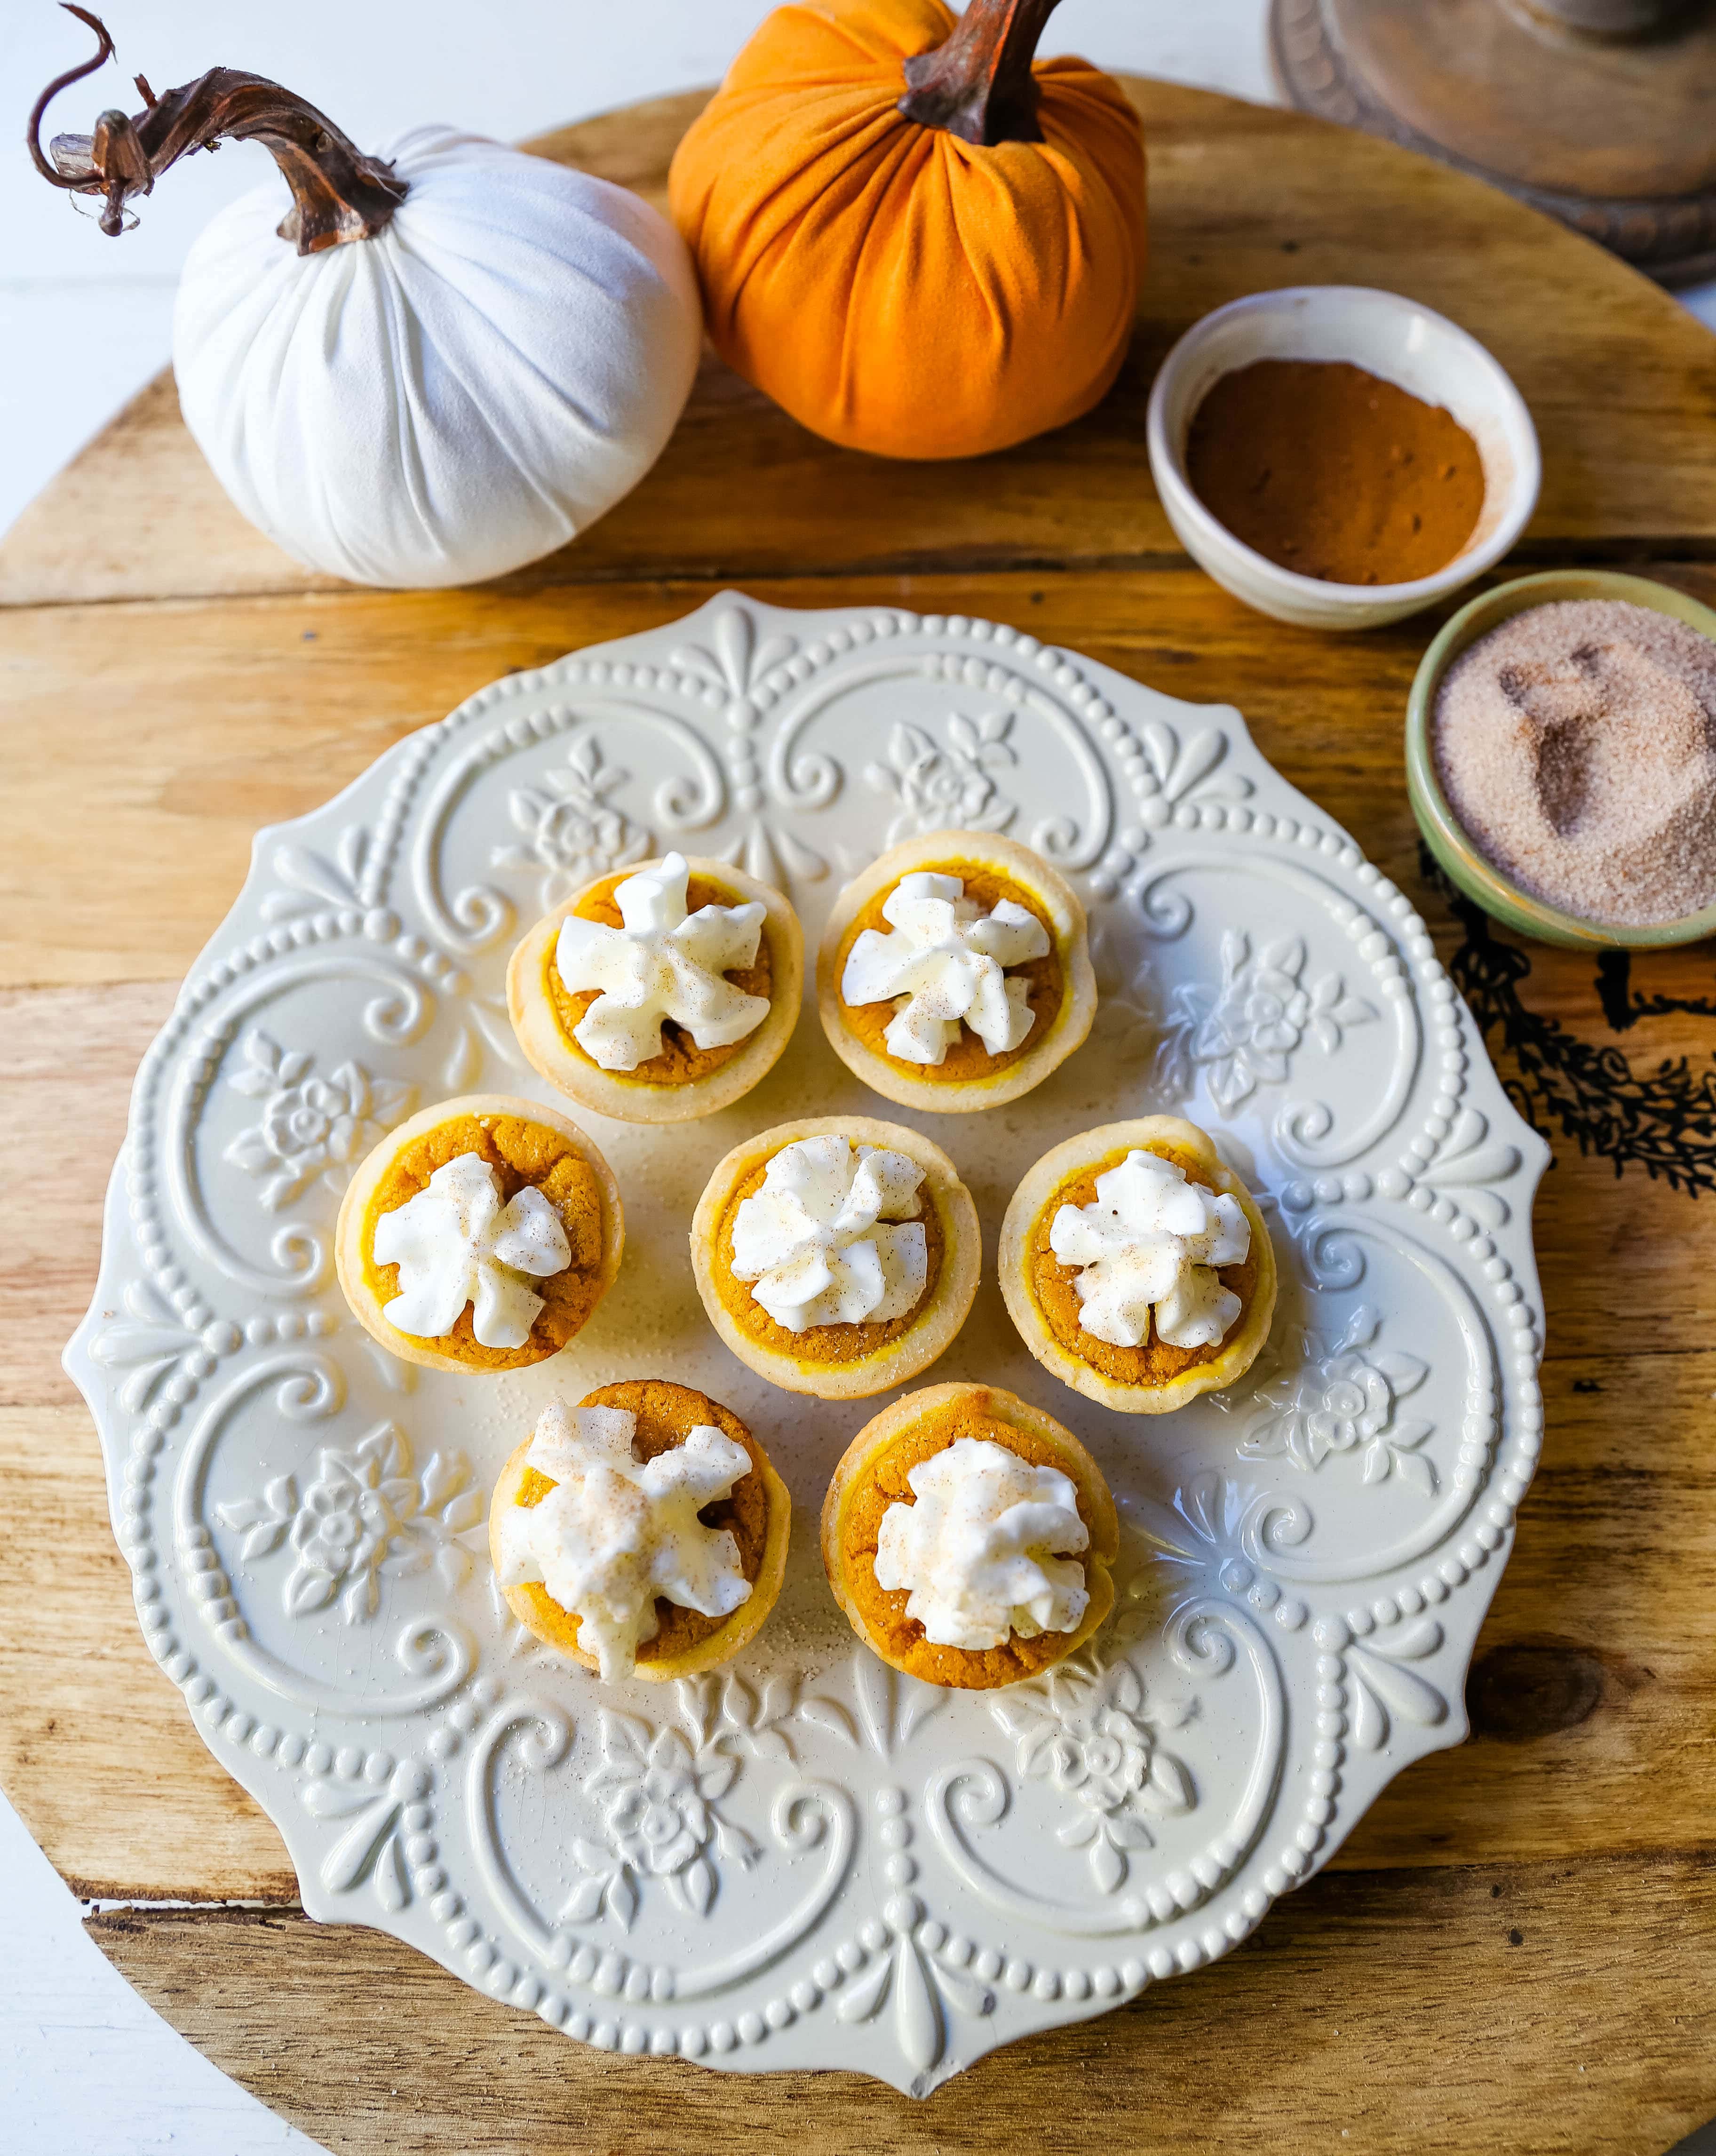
(967, 1057)
(1055, 1286)
(821, 1343)
(883, 1610)
(666, 1415)
(682, 1061)
(520, 1153)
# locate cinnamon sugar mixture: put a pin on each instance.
(1577, 744)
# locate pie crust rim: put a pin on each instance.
(349, 1254)
(878, 1434)
(720, 1646)
(617, 1093)
(1067, 1030)
(935, 1326)
(1238, 1350)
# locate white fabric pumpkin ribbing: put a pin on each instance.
(462, 393)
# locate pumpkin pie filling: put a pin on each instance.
(1055, 1286)
(967, 1058)
(882, 1609)
(521, 1154)
(681, 1062)
(849, 1342)
(666, 1413)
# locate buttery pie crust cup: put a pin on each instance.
(928, 1328)
(961, 853)
(354, 1236)
(1172, 1137)
(851, 1571)
(628, 1095)
(655, 1399)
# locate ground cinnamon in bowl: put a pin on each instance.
(1333, 472)
(1576, 743)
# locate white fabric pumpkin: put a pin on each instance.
(464, 391)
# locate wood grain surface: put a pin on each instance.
(1517, 1947)
(1465, 2010)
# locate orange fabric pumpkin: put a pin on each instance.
(897, 289)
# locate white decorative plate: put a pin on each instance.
(808, 1860)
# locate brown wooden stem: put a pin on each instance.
(338, 194)
(978, 85)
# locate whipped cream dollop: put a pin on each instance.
(1152, 1240)
(822, 1241)
(615, 1531)
(986, 1549)
(455, 1243)
(663, 963)
(943, 961)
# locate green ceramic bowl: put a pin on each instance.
(1446, 838)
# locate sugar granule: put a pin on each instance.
(1576, 743)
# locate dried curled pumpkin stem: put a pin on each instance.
(978, 85)
(338, 194)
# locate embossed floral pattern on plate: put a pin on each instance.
(309, 1126)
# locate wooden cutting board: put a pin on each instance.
(1517, 1949)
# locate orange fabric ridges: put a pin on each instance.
(894, 288)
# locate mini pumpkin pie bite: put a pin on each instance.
(955, 973)
(970, 1539)
(479, 1235)
(1136, 1267)
(643, 1533)
(660, 994)
(836, 1256)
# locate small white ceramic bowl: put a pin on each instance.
(1388, 336)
